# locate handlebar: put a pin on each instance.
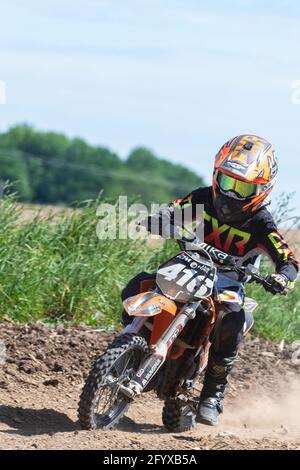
(225, 261)
(252, 272)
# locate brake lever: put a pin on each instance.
(245, 271)
(261, 280)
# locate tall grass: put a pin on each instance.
(276, 317)
(55, 269)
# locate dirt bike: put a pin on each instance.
(165, 348)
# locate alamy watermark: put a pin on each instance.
(124, 221)
(296, 353)
(2, 353)
(2, 92)
(295, 97)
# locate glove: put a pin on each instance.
(158, 224)
(279, 284)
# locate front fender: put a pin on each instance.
(149, 304)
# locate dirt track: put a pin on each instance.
(41, 380)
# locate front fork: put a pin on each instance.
(151, 364)
(135, 326)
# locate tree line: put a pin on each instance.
(50, 168)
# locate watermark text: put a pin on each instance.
(2, 92)
(295, 92)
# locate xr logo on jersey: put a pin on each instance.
(233, 237)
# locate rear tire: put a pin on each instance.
(178, 417)
(113, 367)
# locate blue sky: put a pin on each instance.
(180, 76)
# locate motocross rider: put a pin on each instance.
(236, 221)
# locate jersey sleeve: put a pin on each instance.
(280, 252)
(179, 212)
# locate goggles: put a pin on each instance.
(241, 188)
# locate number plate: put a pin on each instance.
(184, 278)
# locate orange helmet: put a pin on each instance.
(244, 175)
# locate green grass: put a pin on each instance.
(56, 270)
(276, 317)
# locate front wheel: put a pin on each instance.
(101, 404)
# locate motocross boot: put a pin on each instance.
(211, 399)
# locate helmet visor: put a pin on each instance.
(241, 188)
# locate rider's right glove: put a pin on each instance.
(279, 284)
(158, 224)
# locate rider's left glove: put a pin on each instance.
(279, 284)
